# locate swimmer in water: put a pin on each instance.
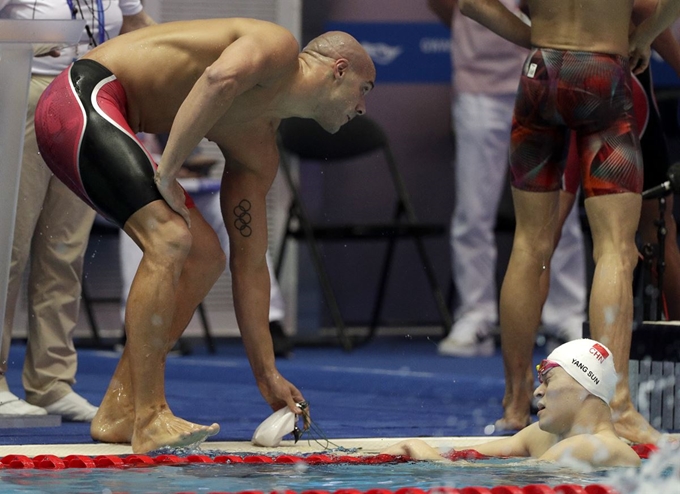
(231, 81)
(577, 382)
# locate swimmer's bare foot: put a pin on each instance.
(164, 429)
(512, 423)
(115, 418)
(112, 428)
(633, 427)
(516, 406)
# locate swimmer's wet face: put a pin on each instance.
(347, 98)
(560, 397)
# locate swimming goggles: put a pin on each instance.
(544, 367)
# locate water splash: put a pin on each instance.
(659, 474)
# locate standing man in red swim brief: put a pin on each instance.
(576, 78)
(232, 81)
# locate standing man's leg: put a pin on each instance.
(59, 237)
(613, 220)
(523, 293)
(564, 309)
(57, 254)
(482, 127)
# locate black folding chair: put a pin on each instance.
(310, 142)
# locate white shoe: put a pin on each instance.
(73, 408)
(468, 338)
(13, 406)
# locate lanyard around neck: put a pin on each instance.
(101, 24)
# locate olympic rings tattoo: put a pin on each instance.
(243, 218)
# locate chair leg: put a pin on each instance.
(329, 295)
(380, 294)
(209, 340)
(434, 287)
(280, 257)
(297, 211)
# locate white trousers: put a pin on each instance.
(482, 126)
(209, 206)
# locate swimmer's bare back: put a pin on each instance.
(599, 26)
(160, 64)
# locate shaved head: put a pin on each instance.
(336, 45)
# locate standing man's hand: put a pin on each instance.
(279, 392)
(173, 193)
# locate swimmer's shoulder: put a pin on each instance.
(599, 450)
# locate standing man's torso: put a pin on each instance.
(599, 26)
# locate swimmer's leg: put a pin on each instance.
(613, 220)
(524, 290)
(174, 276)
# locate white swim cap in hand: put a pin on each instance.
(274, 427)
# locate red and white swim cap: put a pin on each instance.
(590, 363)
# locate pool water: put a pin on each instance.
(297, 477)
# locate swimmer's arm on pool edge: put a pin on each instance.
(418, 449)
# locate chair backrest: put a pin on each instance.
(308, 140)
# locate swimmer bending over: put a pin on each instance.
(574, 419)
(232, 81)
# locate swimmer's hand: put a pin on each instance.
(639, 53)
(173, 193)
(416, 449)
(279, 392)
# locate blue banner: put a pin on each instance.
(404, 52)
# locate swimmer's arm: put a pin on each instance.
(250, 60)
(416, 449)
(496, 17)
(516, 445)
(246, 180)
(443, 9)
(669, 49)
(665, 43)
(644, 34)
(243, 201)
(137, 21)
